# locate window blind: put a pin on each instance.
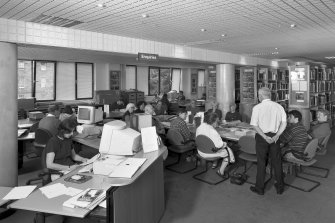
(65, 81)
(130, 77)
(176, 74)
(84, 80)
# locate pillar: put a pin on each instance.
(8, 117)
(225, 86)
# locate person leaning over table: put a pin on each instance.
(233, 115)
(269, 120)
(60, 154)
(207, 128)
(128, 114)
(294, 138)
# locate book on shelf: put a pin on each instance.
(88, 199)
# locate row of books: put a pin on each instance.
(320, 86)
(321, 74)
(316, 100)
(270, 76)
(271, 86)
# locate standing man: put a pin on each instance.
(269, 121)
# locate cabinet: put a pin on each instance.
(132, 96)
(114, 80)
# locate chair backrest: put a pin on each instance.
(34, 127)
(42, 136)
(324, 141)
(174, 137)
(204, 144)
(247, 144)
(311, 148)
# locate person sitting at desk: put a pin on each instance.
(160, 108)
(165, 100)
(68, 112)
(128, 114)
(193, 108)
(180, 125)
(214, 108)
(294, 138)
(51, 121)
(117, 105)
(207, 128)
(181, 96)
(322, 128)
(149, 110)
(233, 115)
(140, 107)
(60, 154)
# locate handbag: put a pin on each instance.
(238, 178)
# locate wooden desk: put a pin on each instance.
(139, 199)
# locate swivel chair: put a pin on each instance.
(179, 147)
(322, 147)
(310, 153)
(205, 145)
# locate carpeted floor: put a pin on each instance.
(192, 201)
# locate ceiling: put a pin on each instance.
(259, 28)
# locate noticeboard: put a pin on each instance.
(299, 86)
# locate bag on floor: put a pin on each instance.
(238, 178)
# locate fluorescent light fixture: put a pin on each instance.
(293, 25)
(101, 5)
(145, 16)
(203, 30)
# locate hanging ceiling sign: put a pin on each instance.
(147, 57)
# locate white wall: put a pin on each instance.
(102, 76)
(186, 82)
(142, 79)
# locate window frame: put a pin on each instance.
(76, 80)
(54, 79)
(32, 77)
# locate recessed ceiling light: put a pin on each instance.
(145, 16)
(203, 30)
(276, 48)
(223, 35)
(101, 5)
(293, 25)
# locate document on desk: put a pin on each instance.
(88, 198)
(149, 139)
(58, 189)
(127, 168)
(19, 192)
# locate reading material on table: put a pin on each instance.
(55, 190)
(149, 139)
(127, 168)
(89, 199)
(19, 192)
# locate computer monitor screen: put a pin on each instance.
(86, 114)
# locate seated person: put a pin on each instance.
(60, 154)
(207, 128)
(160, 108)
(322, 128)
(51, 121)
(140, 107)
(181, 96)
(155, 99)
(233, 115)
(128, 114)
(203, 97)
(193, 108)
(165, 100)
(67, 113)
(149, 110)
(179, 124)
(214, 108)
(294, 138)
(117, 105)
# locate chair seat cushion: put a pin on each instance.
(208, 159)
(248, 157)
(181, 148)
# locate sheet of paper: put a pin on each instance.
(54, 190)
(93, 159)
(73, 191)
(149, 139)
(128, 168)
(103, 204)
(295, 86)
(19, 192)
(303, 85)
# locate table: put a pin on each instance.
(234, 133)
(25, 123)
(138, 199)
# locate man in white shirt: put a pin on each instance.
(269, 120)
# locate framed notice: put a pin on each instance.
(299, 86)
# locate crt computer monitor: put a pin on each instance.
(89, 114)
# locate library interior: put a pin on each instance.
(158, 111)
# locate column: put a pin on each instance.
(225, 86)
(8, 118)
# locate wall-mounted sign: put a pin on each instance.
(299, 89)
(147, 57)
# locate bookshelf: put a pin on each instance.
(237, 88)
(114, 78)
(248, 91)
(211, 87)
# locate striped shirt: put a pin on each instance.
(295, 139)
(180, 125)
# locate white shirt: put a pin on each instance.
(268, 116)
(210, 132)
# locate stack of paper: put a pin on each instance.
(127, 168)
(55, 190)
(19, 192)
(88, 199)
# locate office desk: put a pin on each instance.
(139, 199)
(235, 133)
(25, 123)
(3, 192)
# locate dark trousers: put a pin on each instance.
(263, 151)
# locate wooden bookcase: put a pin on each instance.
(114, 80)
(237, 88)
(211, 86)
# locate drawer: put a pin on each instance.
(140, 95)
(132, 96)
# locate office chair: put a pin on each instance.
(179, 147)
(310, 152)
(42, 137)
(322, 147)
(205, 145)
(247, 147)
(31, 155)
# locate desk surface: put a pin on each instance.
(234, 133)
(3, 192)
(29, 136)
(25, 123)
(36, 201)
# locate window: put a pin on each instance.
(176, 76)
(131, 77)
(84, 80)
(159, 80)
(65, 81)
(45, 80)
(25, 78)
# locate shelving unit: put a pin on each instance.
(248, 91)
(114, 78)
(237, 88)
(211, 87)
